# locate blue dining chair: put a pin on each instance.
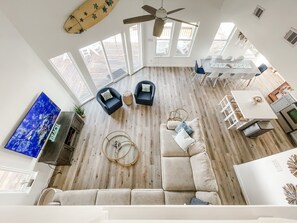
(263, 67)
(198, 71)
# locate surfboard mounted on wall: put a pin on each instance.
(88, 14)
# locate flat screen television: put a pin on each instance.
(32, 132)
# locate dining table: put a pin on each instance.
(239, 67)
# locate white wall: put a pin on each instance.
(267, 32)
(233, 49)
(23, 77)
(145, 214)
(262, 180)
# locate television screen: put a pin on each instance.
(31, 134)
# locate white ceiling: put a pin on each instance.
(41, 22)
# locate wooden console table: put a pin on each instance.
(61, 150)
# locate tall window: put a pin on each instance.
(95, 61)
(115, 55)
(69, 72)
(13, 180)
(221, 38)
(136, 46)
(164, 41)
(185, 40)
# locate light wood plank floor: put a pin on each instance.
(90, 169)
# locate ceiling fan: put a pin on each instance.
(159, 15)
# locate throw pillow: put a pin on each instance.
(197, 201)
(146, 87)
(106, 95)
(183, 139)
(184, 126)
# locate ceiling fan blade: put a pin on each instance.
(149, 9)
(175, 10)
(178, 20)
(158, 27)
(137, 19)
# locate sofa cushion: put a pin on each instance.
(199, 145)
(178, 197)
(183, 139)
(169, 148)
(147, 197)
(177, 174)
(113, 197)
(184, 126)
(171, 125)
(203, 174)
(197, 201)
(76, 197)
(210, 197)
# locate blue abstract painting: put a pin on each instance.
(31, 134)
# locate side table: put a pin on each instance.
(128, 98)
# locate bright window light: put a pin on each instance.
(221, 38)
(163, 42)
(14, 180)
(135, 41)
(185, 41)
(67, 69)
(115, 54)
(94, 58)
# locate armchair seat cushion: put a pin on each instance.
(112, 103)
(177, 174)
(146, 96)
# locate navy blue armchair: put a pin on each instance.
(145, 98)
(112, 104)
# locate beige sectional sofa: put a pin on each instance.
(184, 175)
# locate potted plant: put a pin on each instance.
(79, 110)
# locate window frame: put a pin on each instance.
(79, 73)
(31, 175)
(139, 33)
(192, 40)
(227, 40)
(170, 41)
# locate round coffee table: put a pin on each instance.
(119, 148)
(128, 98)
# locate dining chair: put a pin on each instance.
(198, 71)
(262, 68)
(226, 77)
(208, 57)
(239, 58)
(246, 77)
(228, 58)
(213, 76)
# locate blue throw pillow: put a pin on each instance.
(197, 201)
(184, 126)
